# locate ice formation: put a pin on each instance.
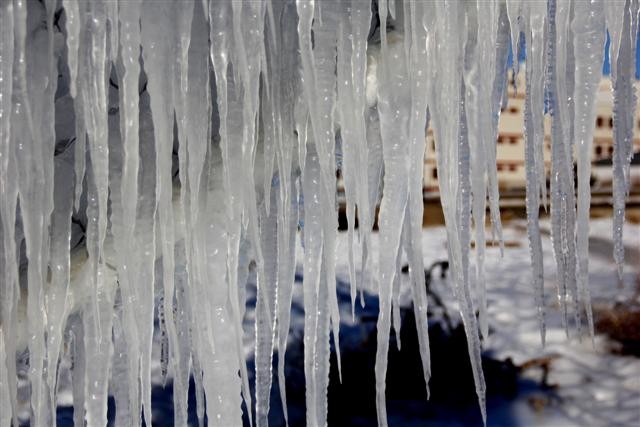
(149, 151)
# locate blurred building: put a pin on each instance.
(510, 143)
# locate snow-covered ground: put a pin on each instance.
(588, 385)
(594, 386)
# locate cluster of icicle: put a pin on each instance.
(188, 138)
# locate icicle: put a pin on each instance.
(496, 91)
(360, 23)
(97, 375)
(534, 145)
(57, 305)
(111, 10)
(446, 114)
(268, 285)
(72, 14)
(622, 25)
(184, 16)
(479, 86)
(418, 61)
(217, 347)
(247, 30)
(129, 18)
(34, 118)
(349, 127)
(142, 264)
(514, 12)
(322, 350)
(588, 33)
(393, 93)
(74, 22)
(319, 85)
(286, 265)
(5, 399)
(375, 170)
(78, 367)
(536, 16)
(120, 376)
(221, 42)
(283, 61)
(533, 205)
(311, 279)
(551, 95)
(395, 291)
(162, 85)
(318, 88)
(8, 200)
(352, 74)
(93, 68)
(561, 176)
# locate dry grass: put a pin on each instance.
(621, 323)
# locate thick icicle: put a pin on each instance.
(142, 263)
(319, 88)
(311, 280)
(73, 21)
(393, 93)
(159, 48)
(229, 129)
(473, 78)
(92, 67)
(588, 36)
(446, 107)
(129, 17)
(282, 61)
(8, 200)
(120, 376)
(57, 304)
(533, 207)
(98, 349)
(34, 117)
(418, 14)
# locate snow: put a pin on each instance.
(594, 385)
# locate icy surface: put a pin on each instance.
(153, 155)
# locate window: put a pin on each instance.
(500, 168)
(434, 173)
(611, 150)
(599, 121)
(500, 139)
(598, 150)
(611, 122)
(513, 140)
(512, 168)
(513, 110)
